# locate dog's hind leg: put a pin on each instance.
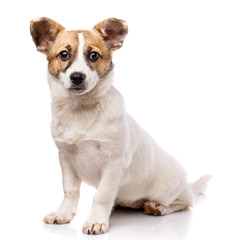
(159, 208)
(153, 208)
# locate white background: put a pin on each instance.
(174, 73)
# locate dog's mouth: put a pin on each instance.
(77, 90)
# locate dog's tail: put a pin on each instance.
(199, 186)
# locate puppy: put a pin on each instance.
(98, 142)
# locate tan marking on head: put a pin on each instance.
(66, 40)
(94, 43)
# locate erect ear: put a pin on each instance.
(113, 32)
(44, 32)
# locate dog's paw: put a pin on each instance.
(59, 217)
(95, 228)
(151, 208)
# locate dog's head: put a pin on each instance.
(78, 59)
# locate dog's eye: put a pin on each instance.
(64, 55)
(94, 56)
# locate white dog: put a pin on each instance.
(98, 142)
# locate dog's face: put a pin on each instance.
(78, 59)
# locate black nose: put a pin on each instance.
(77, 77)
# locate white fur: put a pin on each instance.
(100, 144)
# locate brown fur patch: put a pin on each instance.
(94, 43)
(66, 40)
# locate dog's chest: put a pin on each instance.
(72, 124)
(84, 144)
(87, 137)
(87, 158)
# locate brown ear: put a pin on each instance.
(44, 32)
(113, 31)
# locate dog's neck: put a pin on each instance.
(61, 96)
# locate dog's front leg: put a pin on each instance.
(98, 220)
(71, 186)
